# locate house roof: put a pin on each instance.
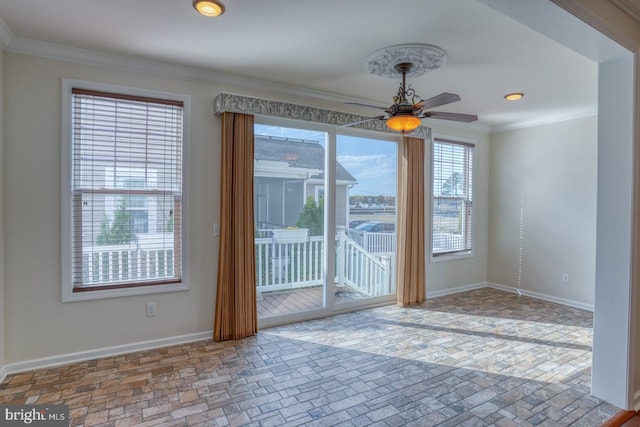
(298, 153)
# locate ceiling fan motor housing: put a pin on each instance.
(405, 108)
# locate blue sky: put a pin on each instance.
(372, 162)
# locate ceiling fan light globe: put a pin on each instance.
(403, 123)
(209, 7)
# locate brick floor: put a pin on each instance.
(479, 358)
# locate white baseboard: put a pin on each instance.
(456, 290)
(3, 373)
(63, 359)
(550, 298)
(545, 297)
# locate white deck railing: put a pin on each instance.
(374, 242)
(279, 266)
(151, 258)
(386, 242)
(444, 242)
(364, 271)
(282, 266)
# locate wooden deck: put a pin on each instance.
(298, 300)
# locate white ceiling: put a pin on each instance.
(320, 46)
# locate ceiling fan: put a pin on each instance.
(408, 108)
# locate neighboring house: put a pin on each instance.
(287, 171)
(147, 215)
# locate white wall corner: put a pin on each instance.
(545, 297)
(612, 326)
(511, 289)
(504, 288)
(6, 35)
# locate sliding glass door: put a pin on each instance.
(290, 220)
(324, 207)
(366, 188)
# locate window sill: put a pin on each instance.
(452, 257)
(69, 296)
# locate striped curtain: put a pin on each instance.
(236, 312)
(410, 275)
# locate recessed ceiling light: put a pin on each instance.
(514, 96)
(209, 7)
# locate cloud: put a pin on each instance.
(367, 165)
(355, 160)
(376, 173)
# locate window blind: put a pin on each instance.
(452, 190)
(126, 186)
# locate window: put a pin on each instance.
(123, 193)
(452, 192)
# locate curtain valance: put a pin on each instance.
(229, 103)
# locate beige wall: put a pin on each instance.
(37, 323)
(543, 184)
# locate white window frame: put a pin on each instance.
(68, 294)
(461, 254)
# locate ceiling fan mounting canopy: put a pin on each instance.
(423, 57)
(403, 67)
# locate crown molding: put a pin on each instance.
(6, 35)
(608, 21)
(473, 127)
(632, 7)
(547, 120)
(60, 52)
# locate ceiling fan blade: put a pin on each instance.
(367, 105)
(438, 100)
(365, 120)
(456, 117)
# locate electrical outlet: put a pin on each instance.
(565, 277)
(216, 229)
(151, 309)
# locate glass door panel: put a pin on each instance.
(366, 187)
(289, 217)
